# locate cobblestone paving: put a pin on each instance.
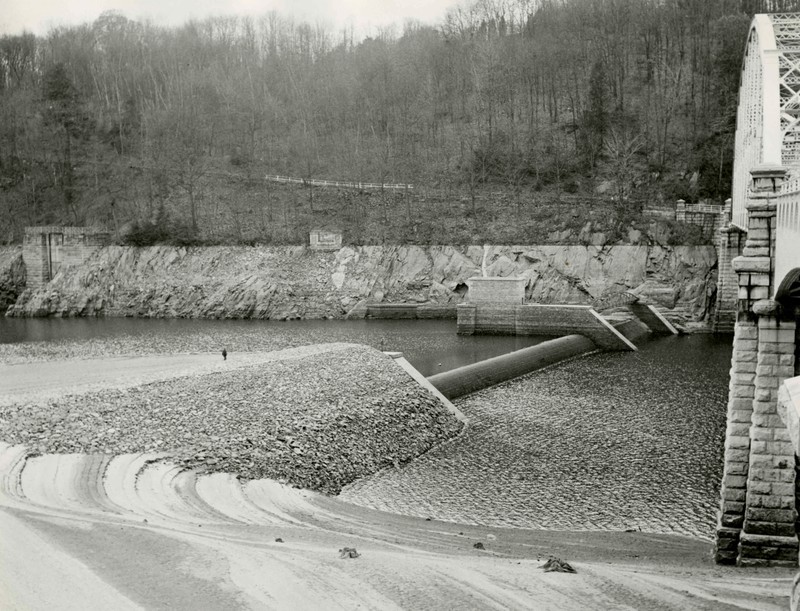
(612, 441)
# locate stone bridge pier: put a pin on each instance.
(758, 516)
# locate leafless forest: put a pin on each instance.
(507, 115)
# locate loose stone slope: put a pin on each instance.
(318, 422)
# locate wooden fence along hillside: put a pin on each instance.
(334, 183)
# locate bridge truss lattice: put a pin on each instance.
(768, 117)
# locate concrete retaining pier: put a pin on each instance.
(539, 319)
(471, 378)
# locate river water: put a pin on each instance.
(609, 441)
(431, 346)
(606, 441)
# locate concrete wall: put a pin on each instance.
(410, 310)
(509, 290)
(536, 319)
(321, 239)
(47, 249)
(35, 256)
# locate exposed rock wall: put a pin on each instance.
(12, 275)
(294, 282)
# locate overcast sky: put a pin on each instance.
(38, 16)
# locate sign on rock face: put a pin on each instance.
(320, 239)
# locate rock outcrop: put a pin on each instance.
(12, 275)
(294, 282)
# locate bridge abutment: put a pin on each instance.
(758, 509)
(768, 534)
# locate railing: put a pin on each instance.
(312, 182)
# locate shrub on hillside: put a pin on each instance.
(152, 233)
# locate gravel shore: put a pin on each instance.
(318, 421)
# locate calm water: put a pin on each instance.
(431, 346)
(611, 441)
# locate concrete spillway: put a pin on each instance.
(471, 378)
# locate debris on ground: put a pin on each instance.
(557, 565)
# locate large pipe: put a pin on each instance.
(471, 378)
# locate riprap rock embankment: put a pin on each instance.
(318, 417)
(295, 282)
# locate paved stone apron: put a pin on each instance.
(607, 442)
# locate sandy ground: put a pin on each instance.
(40, 381)
(132, 531)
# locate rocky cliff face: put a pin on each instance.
(294, 282)
(12, 275)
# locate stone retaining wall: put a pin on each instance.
(47, 249)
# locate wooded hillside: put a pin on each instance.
(491, 115)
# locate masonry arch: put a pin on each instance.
(788, 293)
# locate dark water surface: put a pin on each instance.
(609, 441)
(431, 346)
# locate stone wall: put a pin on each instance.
(705, 216)
(715, 221)
(729, 243)
(48, 249)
